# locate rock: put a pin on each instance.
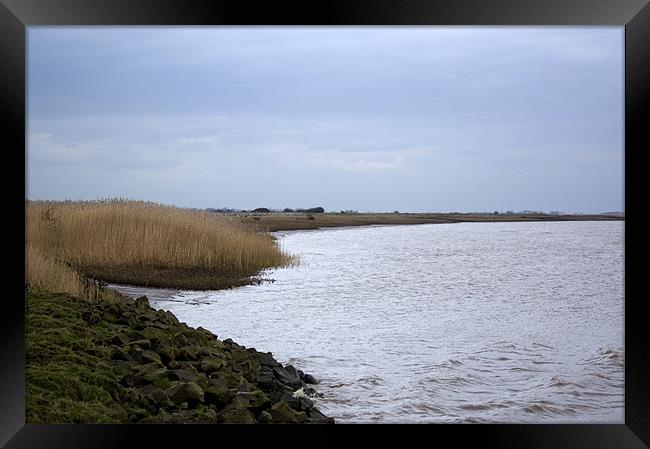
(151, 366)
(239, 356)
(288, 376)
(166, 353)
(171, 418)
(201, 414)
(180, 339)
(232, 380)
(248, 369)
(207, 332)
(309, 379)
(171, 318)
(317, 417)
(156, 395)
(142, 301)
(281, 413)
(216, 348)
(291, 401)
(139, 374)
(266, 379)
(312, 392)
(158, 378)
(135, 334)
(135, 352)
(264, 417)
(183, 364)
(305, 404)
(120, 354)
(187, 353)
(120, 339)
(258, 400)
(156, 336)
(142, 344)
(149, 356)
(186, 392)
(242, 399)
(238, 416)
(211, 364)
(127, 365)
(144, 320)
(219, 395)
(136, 414)
(245, 387)
(183, 375)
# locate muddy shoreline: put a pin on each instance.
(272, 222)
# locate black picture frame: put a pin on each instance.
(16, 15)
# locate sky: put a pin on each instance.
(415, 119)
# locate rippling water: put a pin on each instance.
(467, 322)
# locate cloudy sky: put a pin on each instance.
(370, 119)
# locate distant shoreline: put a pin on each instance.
(272, 222)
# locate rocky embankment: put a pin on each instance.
(123, 361)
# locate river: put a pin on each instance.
(467, 322)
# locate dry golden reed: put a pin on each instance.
(44, 273)
(127, 241)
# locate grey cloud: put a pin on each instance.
(422, 118)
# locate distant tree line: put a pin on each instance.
(263, 210)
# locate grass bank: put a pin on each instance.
(121, 361)
(141, 243)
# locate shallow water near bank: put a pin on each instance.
(468, 322)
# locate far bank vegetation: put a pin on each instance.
(142, 243)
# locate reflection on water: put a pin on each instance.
(467, 322)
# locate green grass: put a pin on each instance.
(68, 378)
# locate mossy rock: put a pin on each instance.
(137, 414)
(219, 396)
(166, 353)
(118, 353)
(156, 395)
(230, 379)
(239, 356)
(188, 353)
(259, 400)
(186, 392)
(282, 413)
(141, 343)
(180, 339)
(80, 369)
(264, 417)
(201, 414)
(211, 364)
(158, 378)
(183, 364)
(156, 336)
(238, 416)
(120, 339)
(142, 302)
(265, 359)
(183, 375)
(149, 356)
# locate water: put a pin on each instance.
(467, 322)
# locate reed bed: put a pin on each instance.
(144, 243)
